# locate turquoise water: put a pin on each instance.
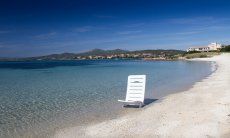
(37, 98)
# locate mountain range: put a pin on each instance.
(97, 52)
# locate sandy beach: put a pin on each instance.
(201, 111)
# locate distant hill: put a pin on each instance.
(100, 52)
(160, 51)
(97, 52)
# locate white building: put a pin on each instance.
(215, 46)
(210, 47)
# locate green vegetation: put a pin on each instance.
(200, 54)
(192, 52)
(225, 49)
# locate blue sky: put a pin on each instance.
(41, 27)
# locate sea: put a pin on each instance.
(38, 98)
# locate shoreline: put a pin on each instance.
(193, 111)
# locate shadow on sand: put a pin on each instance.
(147, 101)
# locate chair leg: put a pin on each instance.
(140, 105)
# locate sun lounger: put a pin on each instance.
(135, 90)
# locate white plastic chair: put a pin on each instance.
(135, 90)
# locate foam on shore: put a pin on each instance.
(202, 111)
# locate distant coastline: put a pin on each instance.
(99, 54)
(96, 54)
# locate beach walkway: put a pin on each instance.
(202, 111)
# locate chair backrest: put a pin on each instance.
(136, 88)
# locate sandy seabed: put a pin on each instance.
(202, 111)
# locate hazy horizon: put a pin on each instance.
(39, 27)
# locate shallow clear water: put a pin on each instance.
(37, 98)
